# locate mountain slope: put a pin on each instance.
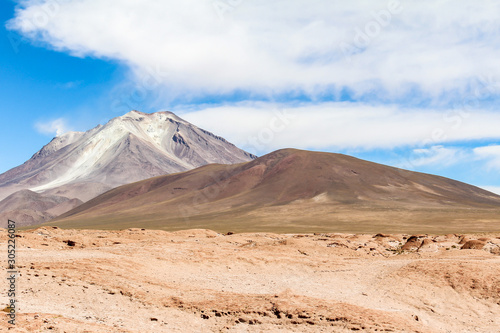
(129, 148)
(29, 208)
(293, 191)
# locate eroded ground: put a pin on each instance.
(201, 281)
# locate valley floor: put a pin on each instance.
(202, 281)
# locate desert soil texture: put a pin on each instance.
(139, 280)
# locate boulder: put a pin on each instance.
(474, 245)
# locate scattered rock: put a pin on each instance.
(276, 307)
(337, 244)
(492, 248)
(474, 245)
(428, 245)
(412, 244)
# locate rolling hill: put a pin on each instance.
(293, 191)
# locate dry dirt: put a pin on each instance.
(202, 281)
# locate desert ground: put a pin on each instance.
(139, 280)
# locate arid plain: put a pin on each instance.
(139, 280)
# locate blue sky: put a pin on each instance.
(38, 84)
(409, 84)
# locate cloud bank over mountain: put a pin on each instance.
(315, 47)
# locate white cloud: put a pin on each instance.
(56, 126)
(278, 46)
(436, 155)
(489, 153)
(262, 127)
(493, 189)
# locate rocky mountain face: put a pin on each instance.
(133, 147)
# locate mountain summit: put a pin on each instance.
(135, 146)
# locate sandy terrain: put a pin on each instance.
(202, 281)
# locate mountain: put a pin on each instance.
(136, 146)
(32, 208)
(293, 191)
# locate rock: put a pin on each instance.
(492, 248)
(463, 240)
(412, 244)
(474, 245)
(447, 238)
(428, 246)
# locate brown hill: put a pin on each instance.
(28, 208)
(294, 191)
